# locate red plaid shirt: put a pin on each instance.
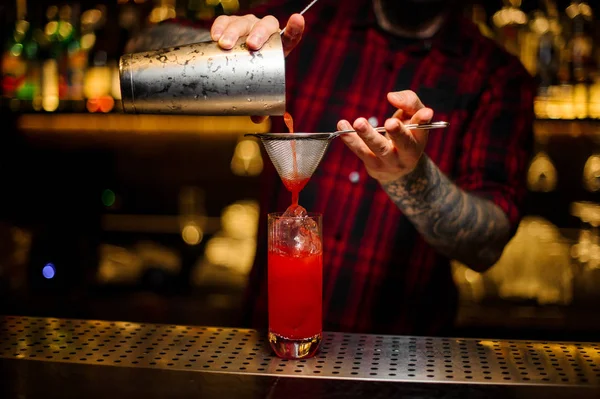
(380, 276)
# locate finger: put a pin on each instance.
(354, 143)
(402, 138)
(399, 114)
(406, 100)
(424, 115)
(377, 143)
(237, 27)
(258, 119)
(293, 33)
(219, 26)
(262, 31)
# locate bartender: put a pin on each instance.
(397, 207)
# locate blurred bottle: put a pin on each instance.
(581, 47)
(35, 57)
(77, 60)
(52, 82)
(30, 92)
(551, 44)
(529, 40)
(510, 24)
(14, 61)
(581, 43)
(594, 107)
(62, 39)
(550, 48)
(594, 98)
(99, 78)
(130, 22)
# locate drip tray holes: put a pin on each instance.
(392, 358)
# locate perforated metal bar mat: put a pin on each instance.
(343, 356)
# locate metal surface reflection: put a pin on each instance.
(203, 79)
(343, 356)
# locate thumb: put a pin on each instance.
(293, 33)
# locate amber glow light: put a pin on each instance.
(50, 98)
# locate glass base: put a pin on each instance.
(287, 348)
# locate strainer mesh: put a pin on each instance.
(308, 156)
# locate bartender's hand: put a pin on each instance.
(226, 30)
(393, 155)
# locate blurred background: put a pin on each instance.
(153, 218)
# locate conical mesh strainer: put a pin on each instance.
(309, 149)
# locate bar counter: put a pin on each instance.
(42, 357)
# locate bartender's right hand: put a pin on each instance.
(226, 30)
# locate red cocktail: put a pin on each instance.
(295, 273)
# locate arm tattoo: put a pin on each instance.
(462, 226)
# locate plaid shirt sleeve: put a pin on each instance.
(498, 141)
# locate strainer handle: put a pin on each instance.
(411, 126)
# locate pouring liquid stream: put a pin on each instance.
(294, 184)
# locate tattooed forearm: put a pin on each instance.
(462, 226)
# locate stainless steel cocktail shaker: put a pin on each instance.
(204, 79)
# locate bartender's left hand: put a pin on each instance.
(393, 155)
